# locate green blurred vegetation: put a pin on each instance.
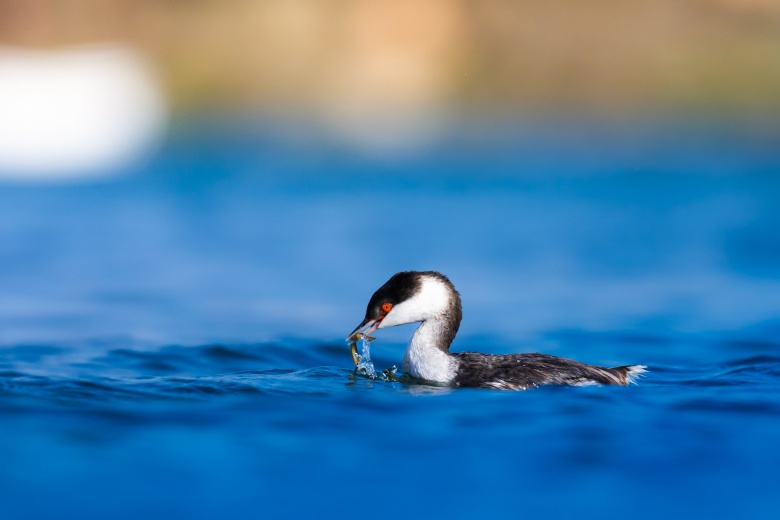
(490, 55)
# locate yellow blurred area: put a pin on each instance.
(414, 55)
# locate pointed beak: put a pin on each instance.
(367, 326)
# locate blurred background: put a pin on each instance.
(388, 74)
(351, 57)
(196, 171)
(198, 198)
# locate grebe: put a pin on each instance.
(430, 298)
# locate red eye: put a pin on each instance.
(386, 307)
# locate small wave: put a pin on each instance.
(58, 375)
(57, 390)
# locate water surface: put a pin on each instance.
(171, 341)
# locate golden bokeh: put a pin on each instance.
(493, 55)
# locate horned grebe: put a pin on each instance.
(430, 298)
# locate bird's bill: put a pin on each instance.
(366, 327)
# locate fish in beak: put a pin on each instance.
(366, 327)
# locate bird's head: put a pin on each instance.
(409, 297)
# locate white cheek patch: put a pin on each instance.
(431, 300)
(403, 313)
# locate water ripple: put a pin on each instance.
(205, 373)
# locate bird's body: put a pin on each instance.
(430, 298)
(523, 371)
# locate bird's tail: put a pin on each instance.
(629, 374)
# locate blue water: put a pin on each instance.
(171, 340)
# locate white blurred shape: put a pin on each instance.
(76, 112)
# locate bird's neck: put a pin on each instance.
(427, 354)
